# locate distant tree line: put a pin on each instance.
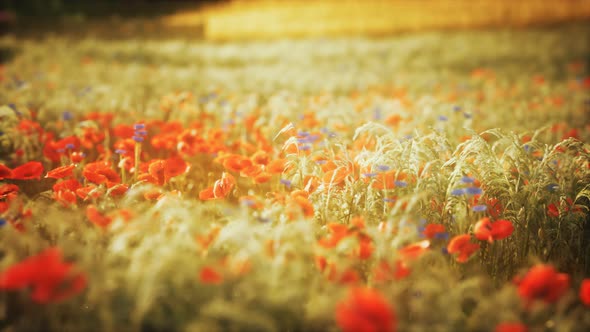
(95, 7)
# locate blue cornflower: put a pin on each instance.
(467, 179)
(383, 168)
(67, 115)
(474, 191)
(401, 184)
(479, 208)
(552, 187)
(458, 192)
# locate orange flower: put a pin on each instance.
(161, 171)
(260, 157)
(462, 245)
(206, 240)
(263, 177)
(220, 189)
(305, 205)
(28, 171)
(385, 180)
(485, 230)
(236, 162)
(336, 176)
(223, 186)
(543, 282)
(210, 276)
(365, 309)
(277, 166)
(61, 172)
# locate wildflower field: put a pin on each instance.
(424, 182)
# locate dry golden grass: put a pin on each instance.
(272, 19)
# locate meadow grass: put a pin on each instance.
(297, 185)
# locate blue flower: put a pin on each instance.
(443, 118)
(138, 139)
(401, 184)
(441, 236)
(467, 115)
(138, 126)
(456, 108)
(120, 151)
(552, 187)
(474, 191)
(458, 192)
(67, 115)
(479, 208)
(383, 168)
(2, 222)
(302, 133)
(467, 179)
(377, 114)
(369, 175)
(249, 202)
(286, 182)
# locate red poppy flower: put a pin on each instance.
(210, 276)
(385, 272)
(8, 191)
(61, 172)
(365, 309)
(51, 279)
(220, 188)
(5, 172)
(100, 172)
(414, 250)
(511, 327)
(65, 191)
(431, 230)
(462, 245)
(554, 209)
(585, 292)
(54, 150)
(28, 171)
(485, 230)
(96, 217)
(544, 283)
(276, 166)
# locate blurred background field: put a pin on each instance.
(255, 19)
